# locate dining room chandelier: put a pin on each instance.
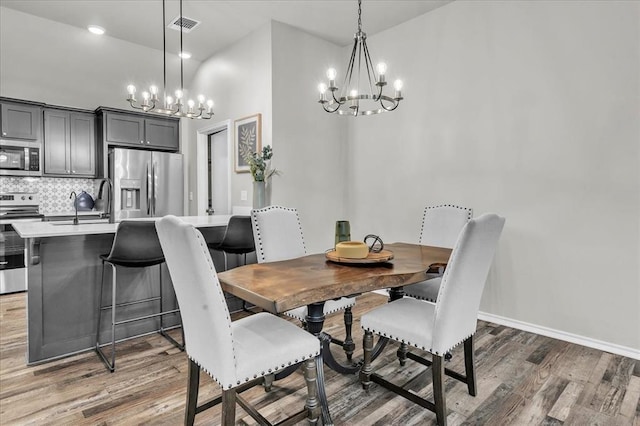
(176, 108)
(352, 100)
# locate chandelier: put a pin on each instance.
(169, 106)
(355, 102)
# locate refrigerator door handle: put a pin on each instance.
(149, 189)
(154, 168)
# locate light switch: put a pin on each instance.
(243, 195)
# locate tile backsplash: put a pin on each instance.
(54, 192)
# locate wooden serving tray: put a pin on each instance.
(383, 256)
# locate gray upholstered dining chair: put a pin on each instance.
(441, 226)
(236, 354)
(277, 232)
(439, 327)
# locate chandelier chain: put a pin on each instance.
(359, 16)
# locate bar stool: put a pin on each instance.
(135, 245)
(237, 239)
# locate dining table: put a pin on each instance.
(312, 280)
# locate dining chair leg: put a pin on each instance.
(469, 365)
(193, 382)
(437, 370)
(112, 367)
(402, 354)
(228, 407)
(100, 309)
(312, 404)
(365, 371)
(348, 345)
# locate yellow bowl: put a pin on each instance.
(352, 250)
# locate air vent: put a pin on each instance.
(187, 24)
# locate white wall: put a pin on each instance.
(60, 64)
(530, 110)
(238, 79)
(310, 146)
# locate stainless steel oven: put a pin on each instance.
(15, 207)
(20, 158)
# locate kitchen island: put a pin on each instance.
(64, 272)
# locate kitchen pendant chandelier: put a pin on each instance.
(151, 102)
(356, 102)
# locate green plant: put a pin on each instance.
(260, 164)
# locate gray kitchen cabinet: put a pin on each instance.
(139, 131)
(21, 121)
(69, 143)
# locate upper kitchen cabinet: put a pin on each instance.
(132, 130)
(21, 121)
(69, 143)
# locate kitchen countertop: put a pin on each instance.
(73, 213)
(62, 229)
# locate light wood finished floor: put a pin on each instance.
(523, 379)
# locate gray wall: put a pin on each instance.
(530, 110)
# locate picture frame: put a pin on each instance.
(247, 139)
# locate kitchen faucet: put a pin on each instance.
(75, 204)
(107, 213)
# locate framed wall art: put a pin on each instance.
(248, 139)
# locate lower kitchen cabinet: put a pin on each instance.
(69, 143)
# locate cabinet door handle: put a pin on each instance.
(4, 133)
(142, 142)
(148, 142)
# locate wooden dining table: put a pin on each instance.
(312, 280)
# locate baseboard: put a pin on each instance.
(562, 335)
(556, 334)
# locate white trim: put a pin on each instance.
(562, 335)
(556, 334)
(202, 180)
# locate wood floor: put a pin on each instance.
(523, 379)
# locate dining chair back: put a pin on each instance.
(278, 234)
(236, 354)
(439, 327)
(442, 224)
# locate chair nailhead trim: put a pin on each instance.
(426, 210)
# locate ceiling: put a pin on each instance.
(224, 22)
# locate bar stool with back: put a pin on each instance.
(135, 245)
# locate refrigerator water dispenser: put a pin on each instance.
(130, 194)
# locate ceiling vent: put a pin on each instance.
(187, 24)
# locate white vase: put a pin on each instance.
(259, 195)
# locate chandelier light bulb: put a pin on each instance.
(353, 93)
(397, 85)
(153, 90)
(169, 100)
(178, 94)
(382, 68)
(210, 103)
(145, 96)
(332, 73)
(131, 89)
(191, 103)
(322, 88)
(201, 99)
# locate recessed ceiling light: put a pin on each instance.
(94, 29)
(184, 55)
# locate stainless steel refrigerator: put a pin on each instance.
(146, 183)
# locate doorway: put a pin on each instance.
(214, 151)
(218, 173)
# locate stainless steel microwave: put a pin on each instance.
(20, 158)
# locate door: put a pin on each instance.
(161, 134)
(21, 121)
(130, 172)
(218, 171)
(83, 144)
(56, 142)
(127, 129)
(168, 184)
